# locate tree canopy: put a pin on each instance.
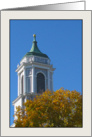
(62, 108)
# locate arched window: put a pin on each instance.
(22, 85)
(40, 83)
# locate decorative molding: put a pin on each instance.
(41, 60)
(28, 84)
(33, 79)
(29, 59)
(43, 71)
(28, 71)
(47, 66)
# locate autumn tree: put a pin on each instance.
(62, 108)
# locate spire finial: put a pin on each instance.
(34, 35)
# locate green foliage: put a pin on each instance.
(62, 108)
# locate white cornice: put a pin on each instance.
(36, 64)
(35, 56)
(19, 67)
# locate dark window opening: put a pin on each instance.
(40, 83)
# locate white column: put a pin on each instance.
(52, 81)
(25, 81)
(18, 86)
(48, 79)
(33, 84)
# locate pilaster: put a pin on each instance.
(52, 81)
(18, 86)
(25, 81)
(48, 79)
(33, 78)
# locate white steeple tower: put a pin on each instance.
(35, 75)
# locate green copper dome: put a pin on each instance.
(35, 50)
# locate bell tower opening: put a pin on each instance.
(40, 83)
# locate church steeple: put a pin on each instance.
(34, 35)
(35, 75)
(35, 48)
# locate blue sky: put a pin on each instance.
(61, 40)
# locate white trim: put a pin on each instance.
(52, 80)
(21, 75)
(20, 68)
(18, 85)
(22, 61)
(17, 99)
(41, 57)
(33, 79)
(27, 67)
(40, 66)
(47, 66)
(24, 80)
(48, 79)
(40, 72)
(29, 85)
